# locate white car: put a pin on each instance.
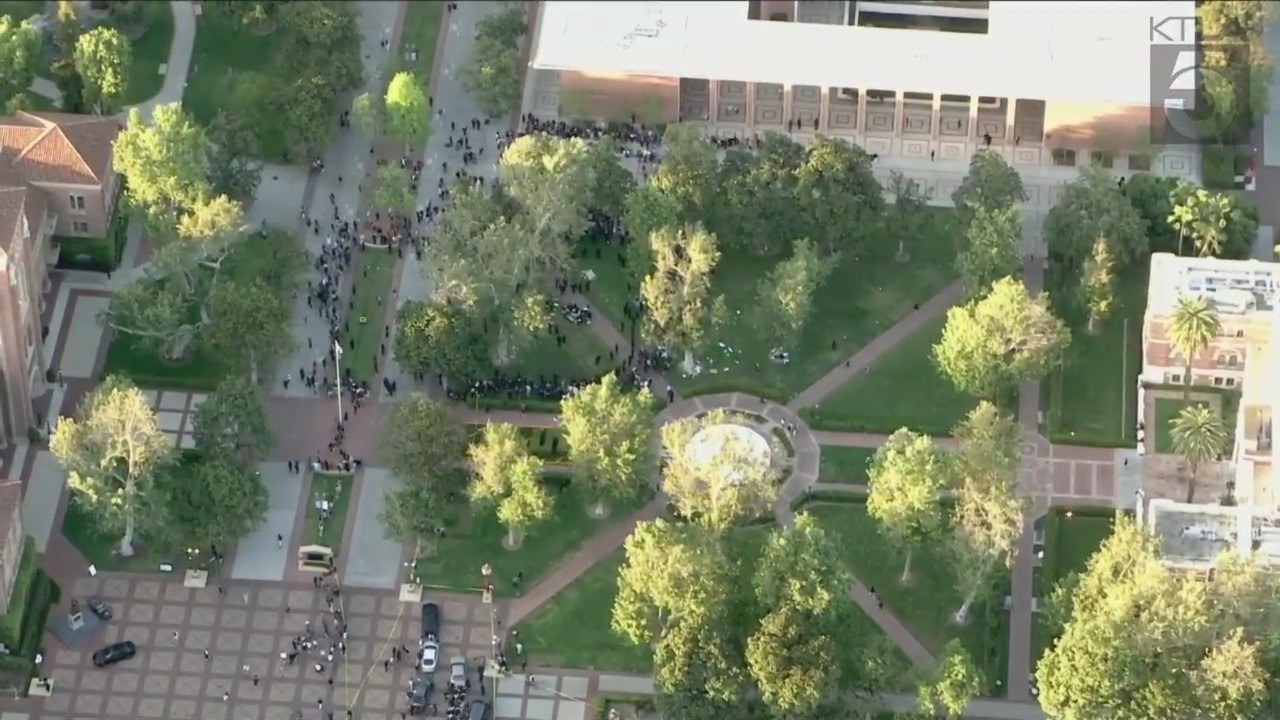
(429, 655)
(458, 671)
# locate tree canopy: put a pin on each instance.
(1143, 640)
(993, 343)
(493, 75)
(906, 480)
(103, 57)
(610, 436)
(1092, 207)
(508, 479)
(677, 292)
(717, 482)
(232, 423)
(112, 450)
(436, 337)
(20, 43)
(408, 116)
(990, 183)
(991, 247)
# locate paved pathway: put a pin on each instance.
(868, 354)
(372, 559)
(259, 555)
(177, 66)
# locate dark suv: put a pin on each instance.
(114, 653)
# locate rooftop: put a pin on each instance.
(1193, 536)
(1074, 51)
(1235, 287)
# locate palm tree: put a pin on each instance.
(1194, 325)
(1202, 215)
(1199, 436)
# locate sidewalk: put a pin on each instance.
(870, 353)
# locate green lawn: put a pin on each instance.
(235, 69)
(419, 34)
(903, 389)
(573, 630)
(99, 547)
(1166, 410)
(1092, 399)
(362, 344)
(844, 464)
(864, 295)
(1071, 537)
(927, 604)
(336, 488)
(202, 370)
(150, 52)
(477, 538)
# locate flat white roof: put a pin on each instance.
(1046, 50)
(1231, 284)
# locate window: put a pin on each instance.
(1228, 360)
(1139, 162)
(1175, 379)
(1064, 157)
(1231, 382)
(76, 202)
(1239, 333)
(1101, 159)
(1217, 382)
(80, 227)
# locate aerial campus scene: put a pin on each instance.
(741, 360)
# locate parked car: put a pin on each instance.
(430, 621)
(99, 608)
(458, 671)
(479, 710)
(419, 692)
(428, 655)
(114, 653)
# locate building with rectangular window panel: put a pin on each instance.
(1242, 362)
(1066, 81)
(56, 180)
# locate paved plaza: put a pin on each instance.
(259, 555)
(175, 681)
(373, 560)
(175, 414)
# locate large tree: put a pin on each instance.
(909, 212)
(610, 436)
(19, 57)
(1144, 640)
(417, 513)
(906, 480)
(645, 211)
(494, 251)
(1193, 325)
(102, 58)
(408, 114)
(990, 248)
(758, 190)
(234, 170)
(393, 189)
(713, 477)
(952, 684)
(1199, 436)
(784, 297)
(990, 183)
(232, 424)
(987, 519)
(112, 449)
(424, 442)
(508, 479)
(166, 161)
(441, 338)
(1092, 207)
(841, 199)
(210, 501)
(689, 173)
(992, 344)
(1153, 197)
(677, 292)
(367, 110)
(1098, 283)
(612, 184)
(249, 325)
(493, 76)
(1202, 216)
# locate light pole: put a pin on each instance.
(486, 571)
(337, 360)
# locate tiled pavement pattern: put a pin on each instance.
(174, 414)
(176, 682)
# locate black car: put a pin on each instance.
(114, 653)
(419, 692)
(479, 710)
(99, 608)
(430, 621)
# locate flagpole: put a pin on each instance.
(337, 359)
